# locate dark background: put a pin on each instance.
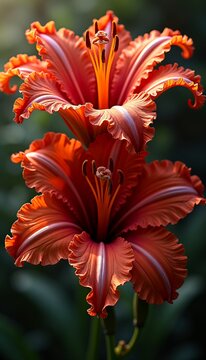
(43, 309)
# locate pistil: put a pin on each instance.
(104, 194)
(102, 50)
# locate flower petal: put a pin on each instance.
(102, 268)
(21, 66)
(68, 60)
(140, 57)
(166, 77)
(166, 193)
(159, 268)
(42, 232)
(42, 92)
(53, 165)
(128, 122)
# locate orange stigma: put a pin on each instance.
(102, 50)
(104, 194)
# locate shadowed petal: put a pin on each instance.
(166, 77)
(68, 60)
(130, 121)
(42, 232)
(165, 194)
(102, 268)
(140, 57)
(21, 66)
(53, 165)
(159, 268)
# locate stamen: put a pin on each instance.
(116, 46)
(111, 164)
(102, 57)
(94, 167)
(87, 39)
(121, 176)
(84, 168)
(96, 27)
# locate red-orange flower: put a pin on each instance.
(104, 80)
(104, 210)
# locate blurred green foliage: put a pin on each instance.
(43, 310)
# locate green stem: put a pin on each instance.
(108, 326)
(109, 339)
(92, 350)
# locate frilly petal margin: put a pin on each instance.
(21, 65)
(166, 193)
(42, 232)
(130, 122)
(68, 60)
(101, 267)
(168, 76)
(41, 91)
(140, 57)
(159, 268)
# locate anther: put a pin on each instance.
(96, 27)
(84, 167)
(116, 46)
(103, 173)
(121, 176)
(88, 42)
(110, 187)
(94, 167)
(114, 29)
(111, 164)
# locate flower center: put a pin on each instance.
(104, 194)
(102, 50)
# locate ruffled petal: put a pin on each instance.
(166, 193)
(42, 92)
(21, 65)
(166, 77)
(110, 153)
(130, 122)
(53, 165)
(140, 57)
(42, 232)
(68, 60)
(102, 268)
(159, 268)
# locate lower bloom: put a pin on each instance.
(105, 210)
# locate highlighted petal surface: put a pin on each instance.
(42, 232)
(130, 121)
(165, 194)
(159, 268)
(101, 267)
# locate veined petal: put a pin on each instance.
(42, 92)
(128, 122)
(53, 165)
(21, 65)
(166, 193)
(166, 77)
(159, 268)
(42, 232)
(68, 60)
(104, 151)
(139, 58)
(102, 268)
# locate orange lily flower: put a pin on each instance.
(104, 209)
(104, 80)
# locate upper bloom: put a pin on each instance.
(104, 209)
(104, 80)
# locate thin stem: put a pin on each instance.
(109, 339)
(108, 326)
(92, 350)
